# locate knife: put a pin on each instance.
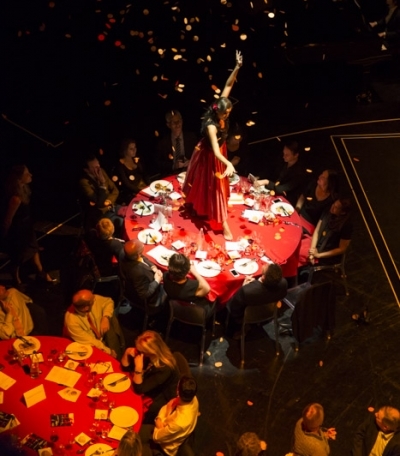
(147, 206)
(26, 341)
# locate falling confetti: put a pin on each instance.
(249, 403)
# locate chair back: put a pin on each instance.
(186, 448)
(187, 312)
(258, 314)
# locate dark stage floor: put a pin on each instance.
(316, 103)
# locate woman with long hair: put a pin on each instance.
(317, 198)
(155, 373)
(129, 445)
(128, 174)
(18, 235)
(206, 185)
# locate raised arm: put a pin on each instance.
(232, 77)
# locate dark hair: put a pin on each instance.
(13, 186)
(313, 416)
(336, 223)
(178, 267)
(220, 105)
(273, 275)
(124, 146)
(89, 158)
(293, 146)
(248, 445)
(187, 388)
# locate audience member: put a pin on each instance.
(291, 178)
(178, 286)
(237, 149)
(331, 237)
(388, 27)
(175, 421)
(87, 321)
(317, 197)
(18, 235)
(129, 445)
(142, 279)
(175, 149)
(309, 438)
(105, 247)
(155, 373)
(98, 195)
(128, 174)
(19, 316)
(249, 444)
(379, 435)
(269, 288)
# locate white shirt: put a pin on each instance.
(18, 302)
(380, 443)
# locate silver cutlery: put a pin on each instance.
(26, 341)
(122, 379)
(247, 263)
(79, 353)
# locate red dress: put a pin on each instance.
(203, 188)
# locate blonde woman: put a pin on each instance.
(129, 445)
(155, 373)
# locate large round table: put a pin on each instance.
(281, 241)
(36, 419)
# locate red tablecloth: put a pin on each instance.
(284, 251)
(36, 419)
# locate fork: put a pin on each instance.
(210, 267)
(122, 379)
(82, 353)
(248, 262)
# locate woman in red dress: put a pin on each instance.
(207, 185)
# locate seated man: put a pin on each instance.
(379, 434)
(309, 438)
(142, 279)
(175, 149)
(178, 286)
(291, 178)
(19, 315)
(269, 288)
(98, 195)
(87, 320)
(175, 421)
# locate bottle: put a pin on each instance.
(200, 241)
(34, 370)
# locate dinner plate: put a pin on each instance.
(163, 259)
(98, 448)
(124, 416)
(75, 347)
(208, 268)
(234, 179)
(161, 186)
(283, 209)
(119, 387)
(246, 266)
(149, 236)
(181, 177)
(143, 208)
(28, 350)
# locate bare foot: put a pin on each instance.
(227, 231)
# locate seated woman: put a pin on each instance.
(128, 174)
(317, 198)
(105, 247)
(155, 373)
(178, 286)
(331, 237)
(129, 445)
(18, 235)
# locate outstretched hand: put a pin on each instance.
(230, 169)
(239, 59)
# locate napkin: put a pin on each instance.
(100, 414)
(253, 216)
(94, 392)
(101, 367)
(34, 396)
(82, 439)
(71, 365)
(45, 451)
(234, 255)
(159, 222)
(249, 202)
(6, 381)
(175, 196)
(116, 433)
(266, 259)
(160, 251)
(178, 244)
(70, 394)
(232, 246)
(147, 191)
(201, 254)
(236, 198)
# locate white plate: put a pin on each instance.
(19, 345)
(76, 347)
(161, 186)
(250, 268)
(119, 387)
(149, 236)
(208, 268)
(283, 209)
(163, 259)
(143, 209)
(100, 447)
(234, 179)
(124, 416)
(181, 177)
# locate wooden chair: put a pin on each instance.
(190, 314)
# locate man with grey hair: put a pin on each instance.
(379, 435)
(174, 150)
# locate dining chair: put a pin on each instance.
(191, 314)
(260, 314)
(332, 267)
(186, 447)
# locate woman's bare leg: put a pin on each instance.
(227, 231)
